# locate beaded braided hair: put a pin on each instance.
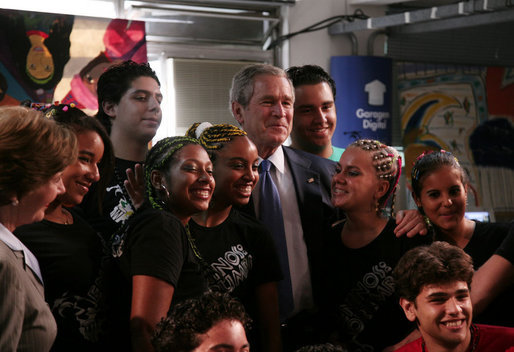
(388, 165)
(214, 137)
(428, 162)
(159, 158)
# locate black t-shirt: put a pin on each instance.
(157, 245)
(70, 259)
(116, 204)
(487, 239)
(506, 249)
(360, 290)
(241, 255)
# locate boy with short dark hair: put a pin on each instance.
(433, 283)
(129, 100)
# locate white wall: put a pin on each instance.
(317, 47)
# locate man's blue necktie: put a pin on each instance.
(270, 211)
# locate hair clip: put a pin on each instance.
(202, 127)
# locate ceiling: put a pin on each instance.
(242, 24)
(477, 32)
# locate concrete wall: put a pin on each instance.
(317, 47)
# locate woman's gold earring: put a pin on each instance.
(427, 221)
(15, 202)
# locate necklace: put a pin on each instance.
(66, 216)
(206, 269)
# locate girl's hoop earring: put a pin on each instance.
(164, 203)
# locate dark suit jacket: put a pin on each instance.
(312, 180)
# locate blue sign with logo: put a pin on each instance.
(363, 98)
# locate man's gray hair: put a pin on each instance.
(242, 82)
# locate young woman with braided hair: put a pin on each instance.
(156, 260)
(237, 250)
(362, 250)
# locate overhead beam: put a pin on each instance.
(486, 18)
(437, 13)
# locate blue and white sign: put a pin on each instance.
(363, 99)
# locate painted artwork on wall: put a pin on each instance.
(468, 111)
(47, 57)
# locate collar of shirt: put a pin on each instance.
(277, 159)
(15, 244)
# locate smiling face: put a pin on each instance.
(443, 198)
(443, 313)
(190, 182)
(79, 176)
(314, 116)
(32, 206)
(235, 172)
(355, 186)
(268, 117)
(138, 113)
(225, 336)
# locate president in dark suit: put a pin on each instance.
(261, 100)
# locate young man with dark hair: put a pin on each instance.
(433, 283)
(211, 322)
(314, 111)
(129, 99)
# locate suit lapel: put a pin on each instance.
(308, 193)
(20, 258)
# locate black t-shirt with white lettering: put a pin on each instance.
(116, 205)
(241, 255)
(360, 289)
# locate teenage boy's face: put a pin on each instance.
(138, 114)
(443, 313)
(314, 115)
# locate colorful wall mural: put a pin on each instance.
(47, 57)
(468, 111)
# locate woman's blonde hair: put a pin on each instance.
(32, 150)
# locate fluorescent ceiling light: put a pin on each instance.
(88, 8)
(177, 7)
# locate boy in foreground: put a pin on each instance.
(433, 283)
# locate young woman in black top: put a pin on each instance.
(156, 262)
(69, 251)
(237, 249)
